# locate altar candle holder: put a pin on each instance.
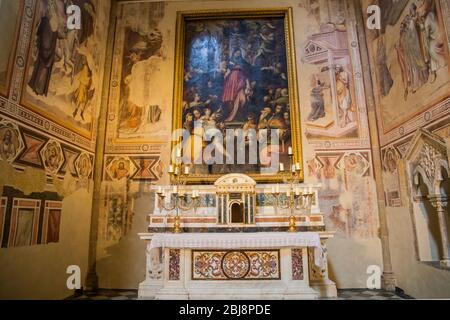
(180, 199)
(291, 198)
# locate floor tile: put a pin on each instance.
(344, 294)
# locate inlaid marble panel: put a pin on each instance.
(236, 265)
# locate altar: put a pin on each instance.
(237, 243)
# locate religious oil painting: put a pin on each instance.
(9, 24)
(237, 75)
(64, 65)
(411, 60)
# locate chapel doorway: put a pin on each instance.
(237, 213)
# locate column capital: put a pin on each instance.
(440, 202)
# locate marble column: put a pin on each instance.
(440, 203)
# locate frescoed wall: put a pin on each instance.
(333, 119)
(138, 128)
(411, 59)
(410, 64)
(51, 97)
(63, 70)
(50, 89)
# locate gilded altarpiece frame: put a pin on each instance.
(227, 33)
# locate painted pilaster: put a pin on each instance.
(91, 283)
(389, 282)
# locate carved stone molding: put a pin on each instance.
(235, 183)
(426, 157)
(439, 202)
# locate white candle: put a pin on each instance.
(293, 168)
(297, 191)
(290, 151)
(175, 189)
(186, 170)
(178, 152)
(278, 188)
(281, 167)
(170, 168)
(159, 190)
(297, 166)
(177, 170)
(273, 190)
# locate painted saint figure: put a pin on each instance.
(121, 171)
(317, 103)
(47, 36)
(410, 54)
(343, 96)
(384, 75)
(52, 157)
(433, 43)
(81, 94)
(235, 84)
(8, 149)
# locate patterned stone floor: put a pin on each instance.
(364, 294)
(347, 294)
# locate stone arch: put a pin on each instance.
(427, 165)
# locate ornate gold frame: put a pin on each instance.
(286, 14)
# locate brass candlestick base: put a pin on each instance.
(177, 225)
(292, 226)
